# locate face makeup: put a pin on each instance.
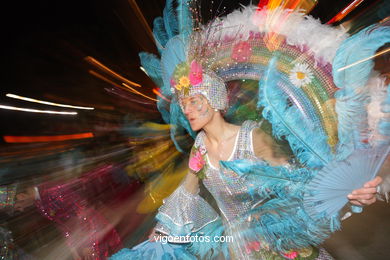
(197, 110)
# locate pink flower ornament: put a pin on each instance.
(195, 73)
(291, 255)
(252, 246)
(172, 82)
(197, 162)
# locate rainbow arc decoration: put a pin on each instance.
(307, 84)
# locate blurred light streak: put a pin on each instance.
(99, 76)
(156, 126)
(55, 138)
(273, 4)
(104, 68)
(125, 87)
(306, 5)
(363, 60)
(31, 151)
(67, 100)
(345, 11)
(143, 21)
(372, 13)
(46, 102)
(139, 93)
(158, 93)
(124, 94)
(37, 110)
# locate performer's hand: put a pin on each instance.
(366, 195)
(153, 235)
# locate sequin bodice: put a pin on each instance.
(229, 191)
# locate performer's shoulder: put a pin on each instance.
(199, 140)
(250, 125)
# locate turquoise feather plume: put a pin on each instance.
(352, 118)
(209, 250)
(367, 42)
(171, 33)
(160, 34)
(287, 226)
(170, 19)
(152, 66)
(352, 98)
(308, 143)
(281, 218)
(352, 79)
(153, 250)
(184, 18)
(174, 53)
(268, 181)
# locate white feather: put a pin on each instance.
(300, 30)
(378, 93)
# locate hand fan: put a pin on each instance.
(327, 191)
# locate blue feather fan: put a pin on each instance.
(327, 192)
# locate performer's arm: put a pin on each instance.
(185, 211)
(191, 185)
(267, 149)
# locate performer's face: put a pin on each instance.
(197, 110)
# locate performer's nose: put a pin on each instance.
(187, 111)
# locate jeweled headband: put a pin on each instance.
(189, 79)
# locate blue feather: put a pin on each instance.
(352, 98)
(280, 219)
(174, 53)
(366, 42)
(308, 143)
(352, 118)
(384, 127)
(154, 250)
(160, 34)
(268, 181)
(152, 66)
(209, 250)
(184, 18)
(170, 20)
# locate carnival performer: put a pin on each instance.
(261, 193)
(185, 212)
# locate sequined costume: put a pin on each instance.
(184, 213)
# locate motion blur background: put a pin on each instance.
(85, 54)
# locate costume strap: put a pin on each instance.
(245, 145)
